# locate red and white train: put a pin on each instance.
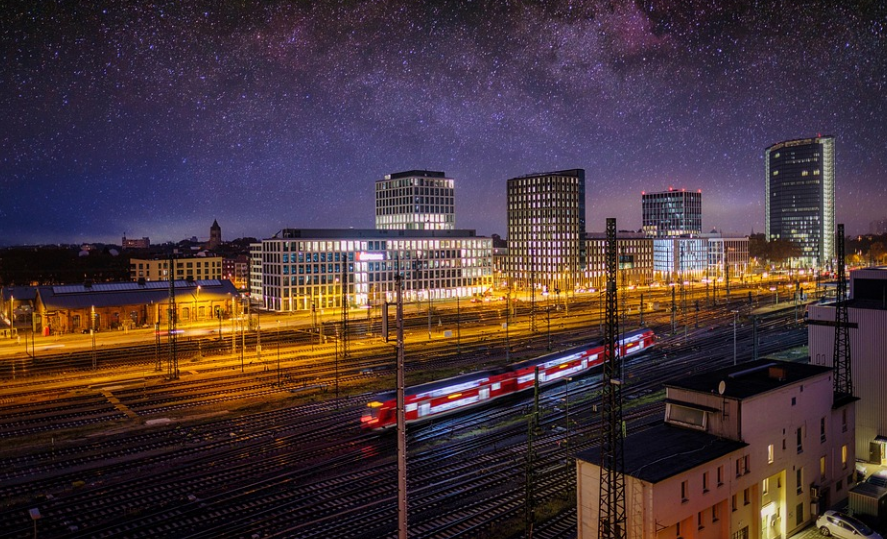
(436, 399)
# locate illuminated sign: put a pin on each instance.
(365, 257)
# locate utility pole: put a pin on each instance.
(158, 366)
(508, 323)
(843, 385)
(530, 492)
(611, 516)
(402, 519)
(458, 328)
(548, 316)
(343, 338)
(259, 343)
(242, 335)
(533, 298)
(172, 363)
(673, 311)
(278, 353)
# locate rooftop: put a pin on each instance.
(369, 233)
(416, 174)
(750, 379)
(664, 451)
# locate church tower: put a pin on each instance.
(215, 236)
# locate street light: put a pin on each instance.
(278, 353)
(735, 315)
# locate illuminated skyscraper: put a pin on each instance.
(800, 197)
(546, 229)
(672, 213)
(415, 200)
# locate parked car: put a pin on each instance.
(833, 523)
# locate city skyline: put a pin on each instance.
(156, 120)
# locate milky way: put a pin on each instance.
(153, 119)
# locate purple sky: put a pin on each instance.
(156, 118)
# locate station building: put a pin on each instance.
(305, 269)
(756, 450)
(867, 313)
(60, 309)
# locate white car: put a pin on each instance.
(841, 525)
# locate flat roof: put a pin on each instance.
(751, 378)
(664, 451)
(416, 174)
(369, 233)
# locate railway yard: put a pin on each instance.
(259, 436)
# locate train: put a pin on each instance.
(443, 397)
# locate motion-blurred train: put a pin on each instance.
(443, 397)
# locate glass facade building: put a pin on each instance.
(303, 269)
(415, 200)
(546, 230)
(800, 197)
(672, 213)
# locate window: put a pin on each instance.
(720, 475)
(746, 497)
(765, 485)
(839, 484)
(742, 465)
(844, 420)
(704, 481)
(733, 502)
(822, 429)
(844, 457)
(770, 454)
(800, 437)
(699, 523)
(799, 477)
(822, 467)
(794, 401)
(684, 488)
(715, 513)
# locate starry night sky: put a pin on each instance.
(154, 118)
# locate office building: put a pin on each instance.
(195, 268)
(727, 256)
(255, 272)
(679, 259)
(672, 213)
(800, 197)
(303, 269)
(546, 230)
(635, 255)
(756, 450)
(867, 312)
(415, 200)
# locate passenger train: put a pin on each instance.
(436, 399)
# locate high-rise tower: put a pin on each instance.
(415, 200)
(546, 229)
(800, 197)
